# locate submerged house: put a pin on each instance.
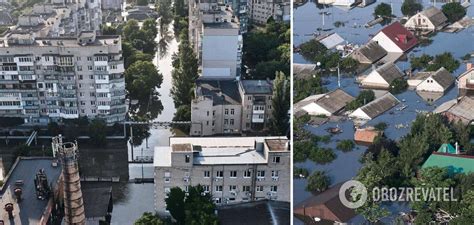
(460, 109)
(436, 81)
(375, 107)
(430, 19)
(369, 53)
(330, 40)
(326, 207)
(396, 38)
(328, 104)
(366, 136)
(466, 81)
(450, 157)
(382, 77)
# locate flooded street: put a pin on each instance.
(306, 21)
(135, 199)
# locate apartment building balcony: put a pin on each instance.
(103, 107)
(258, 109)
(258, 118)
(27, 77)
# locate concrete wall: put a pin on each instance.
(429, 85)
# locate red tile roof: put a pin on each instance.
(403, 38)
(366, 135)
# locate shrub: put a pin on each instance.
(318, 182)
(345, 145)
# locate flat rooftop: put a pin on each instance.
(60, 41)
(30, 209)
(255, 213)
(231, 22)
(219, 150)
(257, 86)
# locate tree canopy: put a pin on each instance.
(149, 219)
(280, 119)
(454, 11)
(411, 7)
(195, 208)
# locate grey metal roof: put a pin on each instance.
(380, 105)
(464, 108)
(389, 72)
(223, 92)
(435, 15)
(300, 69)
(334, 101)
(257, 86)
(372, 51)
(255, 213)
(443, 78)
(30, 209)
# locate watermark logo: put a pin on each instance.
(353, 194)
(358, 194)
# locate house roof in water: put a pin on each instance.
(454, 163)
(366, 135)
(97, 201)
(372, 51)
(326, 205)
(389, 72)
(300, 69)
(463, 107)
(380, 105)
(334, 101)
(399, 35)
(443, 78)
(330, 40)
(435, 15)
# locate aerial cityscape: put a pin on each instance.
(207, 112)
(145, 112)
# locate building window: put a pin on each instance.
(218, 188)
(213, 112)
(219, 174)
(246, 188)
(186, 188)
(226, 121)
(218, 200)
(207, 113)
(90, 68)
(247, 174)
(231, 121)
(233, 174)
(207, 174)
(274, 188)
(275, 173)
(261, 173)
(232, 111)
(259, 188)
(249, 98)
(226, 111)
(187, 158)
(205, 188)
(232, 187)
(276, 159)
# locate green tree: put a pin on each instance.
(345, 145)
(420, 62)
(165, 11)
(280, 105)
(318, 181)
(398, 86)
(109, 30)
(97, 132)
(150, 27)
(411, 7)
(454, 11)
(175, 203)
(305, 87)
(149, 219)
(383, 10)
(130, 30)
(445, 60)
(322, 155)
(363, 98)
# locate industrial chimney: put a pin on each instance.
(73, 202)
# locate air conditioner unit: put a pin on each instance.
(260, 179)
(216, 179)
(233, 193)
(248, 193)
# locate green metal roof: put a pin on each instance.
(447, 148)
(455, 163)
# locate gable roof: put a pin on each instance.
(222, 92)
(399, 35)
(330, 40)
(372, 51)
(326, 205)
(443, 77)
(334, 101)
(447, 148)
(435, 15)
(366, 135)
(464, 108)
(454, 163)
(389, 72)
(380, 105)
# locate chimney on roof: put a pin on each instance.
(469, 66)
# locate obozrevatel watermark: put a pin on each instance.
(358, 194)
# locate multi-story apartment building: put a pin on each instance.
(262, 10)
(240, 10)
(230, 106)
(112, 4)
(43, 79)
(214, 31)
(230, 169)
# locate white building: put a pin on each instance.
(327, 104)
(466, 81)
(431, 19)
(437, 81)
(382, 77)
(395, 38)
(262, 10)
(375, 107)
(230, 169)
